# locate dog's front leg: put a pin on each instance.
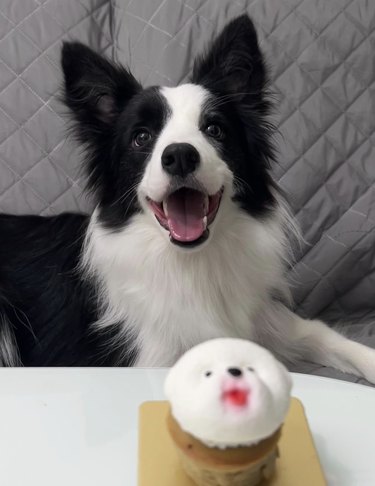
(293, 338)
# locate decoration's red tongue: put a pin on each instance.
(236, 397)
(186, 211)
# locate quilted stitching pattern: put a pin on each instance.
(323, 73)
(38, 166)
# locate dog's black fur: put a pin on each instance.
(47, 305)
(116, 288)
(41, 288)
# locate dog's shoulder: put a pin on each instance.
(45, 300)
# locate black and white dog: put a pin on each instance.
(188, 238)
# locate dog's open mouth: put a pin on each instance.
(187, 214)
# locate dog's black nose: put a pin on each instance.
(235, 372)
(180, 159)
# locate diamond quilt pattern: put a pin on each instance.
(322, 63)
(39, 172)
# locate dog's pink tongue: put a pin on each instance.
(186, 210)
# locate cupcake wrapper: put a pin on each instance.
(210, 466)
(250, 476)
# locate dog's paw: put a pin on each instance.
(369, 369)
(365, 364)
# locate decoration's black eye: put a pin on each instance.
(141, 137)
(208, 373)
(250, 368)
(214, 131)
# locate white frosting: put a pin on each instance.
(224, 410)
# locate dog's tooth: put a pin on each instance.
(205, 222)
(165, 207)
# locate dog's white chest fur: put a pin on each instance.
(169, 299)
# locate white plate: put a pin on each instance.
(78, 427)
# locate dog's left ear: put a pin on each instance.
(234, 62)
(96, 90)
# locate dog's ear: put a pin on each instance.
(96, 90)
(234, 62)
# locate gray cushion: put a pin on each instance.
(323, 75)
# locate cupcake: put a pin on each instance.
(228, 399)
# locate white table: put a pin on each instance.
(78, 427)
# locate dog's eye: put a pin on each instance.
(141, 137)
(214, 131)
(208, 373)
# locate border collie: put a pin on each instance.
(188, 239)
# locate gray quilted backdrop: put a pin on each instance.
(322, 62)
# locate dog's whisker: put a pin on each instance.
(220, 100)
(124, 196)
(130, 203)
(242, 184)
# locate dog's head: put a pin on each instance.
(176, 154)
(229, 392)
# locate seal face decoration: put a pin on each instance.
(228, 399)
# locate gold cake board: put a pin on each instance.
(158, 463)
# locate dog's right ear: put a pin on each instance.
(233, 64)
(96, 90)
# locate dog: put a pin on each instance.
(188, 240)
